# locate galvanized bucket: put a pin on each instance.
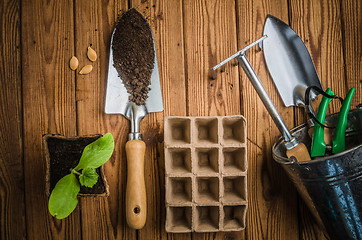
(331, 186)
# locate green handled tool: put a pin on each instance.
(319, 145)
(339, 139)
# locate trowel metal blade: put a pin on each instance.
(289, 62)
(117, 97)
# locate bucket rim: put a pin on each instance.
(292, 160)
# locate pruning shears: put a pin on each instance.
(338, 145)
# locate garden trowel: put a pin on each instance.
(118, 102)
(294, 148)
(289, 63)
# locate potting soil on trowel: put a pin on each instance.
(133, 54)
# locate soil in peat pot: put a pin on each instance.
(133, 54)
(64, 154)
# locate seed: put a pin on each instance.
(92, 55)
(86, 69)
(73, 63)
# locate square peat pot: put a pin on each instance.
(62, 154)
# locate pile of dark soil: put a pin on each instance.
(133, 54)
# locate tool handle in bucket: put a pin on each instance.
(339, 139)
(318, 148)
(300, 152)
(136, 204)
(294, 148)
(268, 103)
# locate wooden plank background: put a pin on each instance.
(12, 201)
(40, 95)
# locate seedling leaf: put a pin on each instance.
(97, 153)
(63, 199)
(89, 177)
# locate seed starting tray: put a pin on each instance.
(206, 174)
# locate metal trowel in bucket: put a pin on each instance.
(289, 63)
(293, 72)
(121, 99)
(295, 149)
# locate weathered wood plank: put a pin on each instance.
(351, 18)
(272, 212)
(165, 18)
(55, 99)
(318, 23)
(102, 218)
(12, 204)
(319, 26)
(210, 36)
(308, 227)
(47, 33)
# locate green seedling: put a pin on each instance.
(63, 199)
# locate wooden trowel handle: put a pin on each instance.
(136, 204)
(300, 152)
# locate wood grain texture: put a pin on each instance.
(40, 94)
(318, 24)
(12, 203)
(272, 212)
(351, 18)
(102, 218)
(49, 106)
(308, 227)
(165, 18)
(210, 37)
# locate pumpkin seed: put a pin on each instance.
(92, 55)
(86, 69)
(73, 63)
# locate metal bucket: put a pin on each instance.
(331, 186)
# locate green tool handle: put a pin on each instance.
(318, 144)
(339, 143)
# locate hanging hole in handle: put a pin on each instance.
(137, 210)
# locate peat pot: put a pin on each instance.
(331, 186)
(62, 154)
